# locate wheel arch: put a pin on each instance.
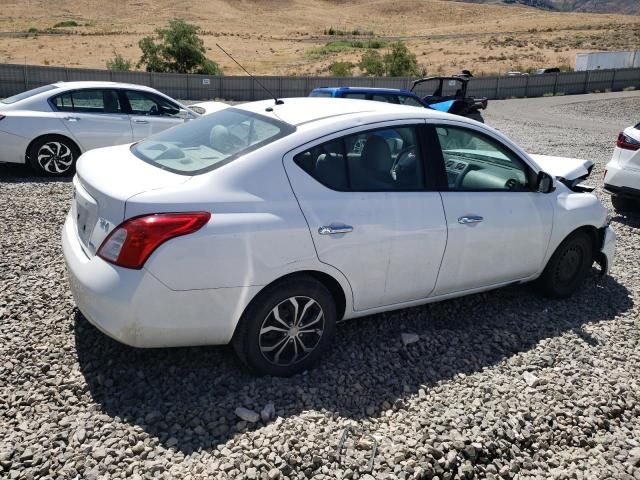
(50, 135)
(329, 282)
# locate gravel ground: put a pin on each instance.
(503, 384)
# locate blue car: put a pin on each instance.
(456, 102)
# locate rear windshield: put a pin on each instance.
(211, 141)
(28, 93)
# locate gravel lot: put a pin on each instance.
(499, 385)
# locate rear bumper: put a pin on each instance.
(622, 180)
(135, 308)
(13, 148)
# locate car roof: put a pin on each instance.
(306, 110)
(63, 86)
(365, 89)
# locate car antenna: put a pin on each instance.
(278, 101)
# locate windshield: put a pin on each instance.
(27, 94)
(214, 140)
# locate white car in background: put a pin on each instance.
(49, 127)
(205, 108)
(265, 224)
(622, 173)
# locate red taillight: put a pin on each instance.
(627, 143)
(130, 244)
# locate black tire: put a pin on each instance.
(567, 267)
(53, 156)
(623, 204)
(256, 334)
(475, 116)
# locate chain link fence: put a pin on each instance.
(18, 78)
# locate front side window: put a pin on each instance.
(145, 103)
(406, 100)
(386, 159)
(210, 141)
(355, 95)
(476, 162)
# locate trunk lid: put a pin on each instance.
(106, 178)
(563, 168)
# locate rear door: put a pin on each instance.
(365, 196)
(498, 224)
(150, 113)
(94, 117)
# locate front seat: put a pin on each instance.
(110, 102)
(376, 163)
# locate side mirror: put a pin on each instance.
(546, 183)
(185, 114)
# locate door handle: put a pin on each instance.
(72, 119)
(136, 120)
(334, 229)
(470, 219)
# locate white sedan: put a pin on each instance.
(622, 173)
(265, 224)
(49, 127)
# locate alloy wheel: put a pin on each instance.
(291, 330)
(55, 157)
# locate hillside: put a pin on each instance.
(289, 37)
(628, 7)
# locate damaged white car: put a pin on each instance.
(266, 223)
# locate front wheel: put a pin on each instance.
(53, 156)
(286, 328)
(475, 116)
(567, 267)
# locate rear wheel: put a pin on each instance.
(53, 155)
(567, 267)
(286, 328)
(623, 204)
(475, 116)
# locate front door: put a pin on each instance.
(151, 113)
(498, 224)
(370, 215)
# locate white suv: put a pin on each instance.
(622, 174)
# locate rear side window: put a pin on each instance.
(210, 141)
(385, 98)
(88, 101)
(375, 160)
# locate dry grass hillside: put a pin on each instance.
(288, 36)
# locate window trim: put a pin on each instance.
(442, 177)
(430, 183)
(52, 103)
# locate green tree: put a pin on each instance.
(400, 62)
(341, 69)
(177, 48)
(118, 63)
(371, 63)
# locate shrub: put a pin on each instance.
(66, 23)
(341, 69)
(371, 63)
(118, 63)
(400, 62)
(178, 49)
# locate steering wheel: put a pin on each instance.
(402, 154)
